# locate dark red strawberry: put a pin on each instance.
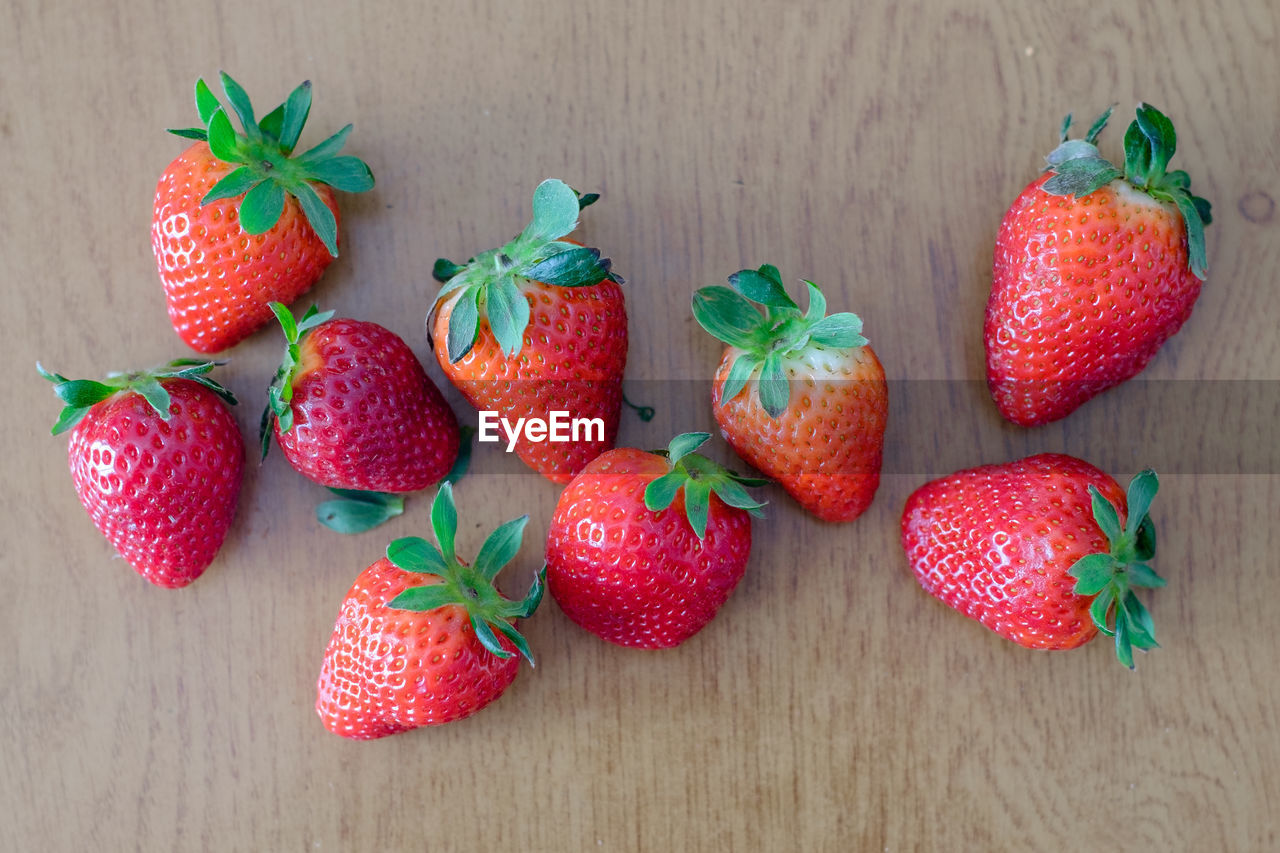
(1095, 268)
(422, 638)
(1045, 551)
(644, 548)
(352, 408)
(156, 459)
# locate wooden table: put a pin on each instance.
(833, 704)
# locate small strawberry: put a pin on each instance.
(352, 409)
(801, 397)
(536, 327)
(1094, 270)
(644, 548)
(1045, 551)
(222, 260)
(156, 460)
(417, 638)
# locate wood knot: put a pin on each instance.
(1257, 207)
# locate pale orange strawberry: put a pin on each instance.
(536, 327)
(801, 397)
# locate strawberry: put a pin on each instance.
(644, 548)
(1045, 551)
(536, 327)
(824, 442)
(417, 638)
(156, 460)
(1095, 268)
(239, 223)
(352, 409)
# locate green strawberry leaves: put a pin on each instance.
(81, 395)
(470, 587)
(1112, 577)
(355, 511)
(267, 174)
(1149, 143)
(767, 340)
(490, 283)
(280, 392)
(700, 478)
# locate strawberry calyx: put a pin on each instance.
(490, 281)
(767, 340)
(1113, 576)
(468, 586)
(700, 478)
(80, 395)
(1149, 143)
(266, 172)
(280, 392)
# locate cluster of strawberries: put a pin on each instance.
(1095, 268)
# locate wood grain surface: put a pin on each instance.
(833, 705)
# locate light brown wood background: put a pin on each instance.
(833, 705)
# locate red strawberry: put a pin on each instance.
(1045, 551)
(644, 548)
(536, 327)
(1094, 270)
(814, 415)
(354, 410)
(238, 223)
(415, 642)
(156, 460)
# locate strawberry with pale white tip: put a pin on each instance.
(240, 222)
(1095, 268)
(800, 396)
(422, 638)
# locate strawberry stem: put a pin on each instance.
(80, 395)
(700, 478)
(267, 173)
(469, 587)
(490, 281)
(768, 339)
(1112, 577)
(1079, 169)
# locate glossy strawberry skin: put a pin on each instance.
(635, 577)
(996, 543)
(826, 449)
(386, 671)
(217, 279)
(572, 358)
(365, 414)
(164, 493)
(1084, 292)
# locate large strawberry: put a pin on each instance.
(352, 409)
(802, 397)
(156, 460)
(422, 638)
(239, 223)
(1045, 551)
(535, 327)
(644, 548)
(1095, 268)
